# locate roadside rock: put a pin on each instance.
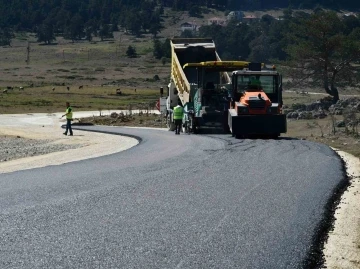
(319, 114)
(321, 108)
(340, 123)
(114, 115)
(292, 115)
(305, 116)
(339, 107)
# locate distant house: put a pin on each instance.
(350, 14)
(217, 21)
(188, 26)
(250, 19)
(237, 15)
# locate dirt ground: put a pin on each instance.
(133, 120)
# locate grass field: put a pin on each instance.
(99, 67)
(44, 99)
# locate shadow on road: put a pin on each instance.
(220, 131)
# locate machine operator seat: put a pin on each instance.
(210, 85)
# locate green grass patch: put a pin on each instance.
(145, 50)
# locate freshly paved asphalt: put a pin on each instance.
(188, 201)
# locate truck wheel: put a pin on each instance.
(240, 136)
(226, 127)
(184, 127)
(170, 125)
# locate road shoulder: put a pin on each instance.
(342, 249)
(89, 145)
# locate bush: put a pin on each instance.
(163, 60)
(131, 52)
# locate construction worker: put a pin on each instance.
(69, 118)
(178, 116)
(255, 83)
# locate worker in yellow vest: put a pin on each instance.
(178, 115)
(69, 118)
(255, 83)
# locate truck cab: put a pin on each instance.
(256, 103)
(257, 92)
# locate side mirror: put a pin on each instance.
(176, 91)
(161, 91)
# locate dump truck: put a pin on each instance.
(213, 99)
(187, 84)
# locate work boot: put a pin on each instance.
(64, 133)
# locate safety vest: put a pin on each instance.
(255, 82)
(69, 110)
(178, 112)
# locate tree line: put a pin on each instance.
(319, 49)
(63, 16)
(84, 19)
(81, 19)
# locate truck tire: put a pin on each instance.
(226, 127)
(184, 128)
(170, 125)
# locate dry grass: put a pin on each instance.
(142, 119)
(100, 67)
(43, 99)
(321, 131)
(81, 63)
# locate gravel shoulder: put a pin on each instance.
(342, 250)
(27, 147)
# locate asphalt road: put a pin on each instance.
(198, 201)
